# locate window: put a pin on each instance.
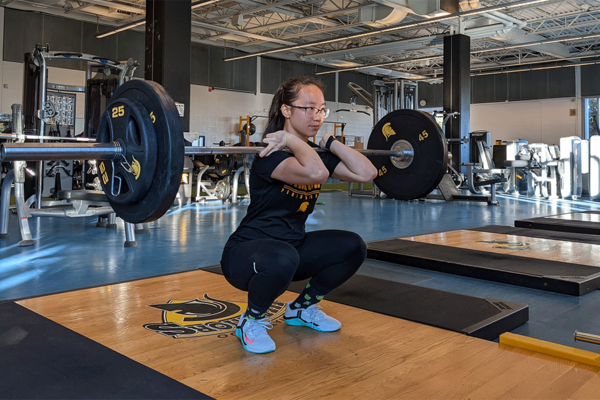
(591, 121)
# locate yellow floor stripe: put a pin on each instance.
(553, 349)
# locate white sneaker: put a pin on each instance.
(312, 317)
(254, 336)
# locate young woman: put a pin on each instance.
(270, 248)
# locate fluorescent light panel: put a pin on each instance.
(121, 29)
(380, 65)
(536, 69)
(126, 27)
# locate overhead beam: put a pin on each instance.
(430, 21)
(117, 6)
(520, 37)
(239, 33)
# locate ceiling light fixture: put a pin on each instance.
(121, 29)
(511, 71)
(380, 65)
(538, 43)
(142, 22)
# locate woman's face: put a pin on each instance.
(305, 123)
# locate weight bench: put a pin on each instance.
(492, 184)
(449, 191)
(484, 173)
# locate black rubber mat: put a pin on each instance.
(40, 359)
(555, 276)
(555, 223)
(482, 318)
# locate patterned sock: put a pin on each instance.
(309, 296)
(255, 312)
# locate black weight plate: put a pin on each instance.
(161, 111)
(224, 164)
(126, 121)
(430, 160)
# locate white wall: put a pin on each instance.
(537, 121)
(216, 115)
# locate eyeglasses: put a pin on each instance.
(312, 111)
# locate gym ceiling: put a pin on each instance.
(389, 38)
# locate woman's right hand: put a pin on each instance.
(275, 141)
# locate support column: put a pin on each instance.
(168, 41)
(457, 95)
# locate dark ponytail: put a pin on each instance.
(287, 93)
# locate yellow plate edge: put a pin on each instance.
(553, 349)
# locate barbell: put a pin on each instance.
(140, 149)
(14, 136)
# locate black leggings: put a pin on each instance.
(265, 267)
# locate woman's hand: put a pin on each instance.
(275, 141)
(323, 141)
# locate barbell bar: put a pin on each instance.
(111, 151)
(192, 150)
(140, 149)
(586, 337)
(14, 136)
(59, 151)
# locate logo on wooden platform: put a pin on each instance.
(203, 317)
(518, 245)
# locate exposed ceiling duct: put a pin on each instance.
(395, 47)
(587, 4)
(433, 8)
(379, 15)
(518, 36)
(88, 13)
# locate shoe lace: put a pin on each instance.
(315, 313)
(258, 327)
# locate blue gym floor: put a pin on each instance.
(72, 253)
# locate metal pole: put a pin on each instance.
(59, 151)
(17, 123)
(5, 202)
(14, 136)
(42, 132)
(88, 76)
(395, 105)
(86, 133)
(586, 337)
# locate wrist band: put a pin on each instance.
(329, 141)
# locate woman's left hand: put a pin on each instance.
(275, 141)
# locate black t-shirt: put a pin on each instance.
(278, 210)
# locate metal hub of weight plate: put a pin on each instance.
(405, 129)
(143, 118)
